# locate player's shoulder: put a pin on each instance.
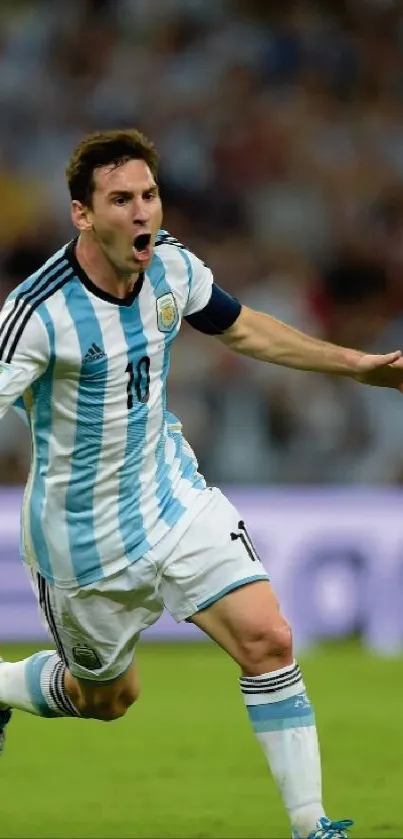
(177, 257)
(167, 247)
(45, 280)
(164, 238)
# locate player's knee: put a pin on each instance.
(264, 642)
(112, 707)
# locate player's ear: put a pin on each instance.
(81, 216)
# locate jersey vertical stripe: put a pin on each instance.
(178, 267)
(153, 523)
(41, 419)
(87, 447)
(62, 432)
(188, 462)
(170, 508)
(114, 436)
(130, 488)
(182, 253)
(27, 549)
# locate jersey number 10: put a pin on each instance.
(139, 380)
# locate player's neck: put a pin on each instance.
(101, 272)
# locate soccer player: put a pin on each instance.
(117, 523)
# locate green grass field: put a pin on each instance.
(184, 762)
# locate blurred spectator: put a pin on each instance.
(280, 128)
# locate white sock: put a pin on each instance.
(36, 685)
(284, 723)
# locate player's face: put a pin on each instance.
(126, 215)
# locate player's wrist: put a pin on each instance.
(353, 362)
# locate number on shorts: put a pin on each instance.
(246, 541)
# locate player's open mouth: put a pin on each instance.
(142, 246)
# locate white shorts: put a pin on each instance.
(96, 627)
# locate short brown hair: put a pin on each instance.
(102, 149)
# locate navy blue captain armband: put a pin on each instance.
(221, 312)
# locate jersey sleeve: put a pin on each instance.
(221, 312)
(200, 286)
(24, 350)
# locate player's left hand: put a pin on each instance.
(381, 370)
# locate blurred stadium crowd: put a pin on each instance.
(280, 128)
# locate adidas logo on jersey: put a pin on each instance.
(94, 353)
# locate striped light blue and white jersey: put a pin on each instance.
(111, 472)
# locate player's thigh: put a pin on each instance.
(96, 627)
(216, 578)
(214, 556)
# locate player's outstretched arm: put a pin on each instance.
(263, 337)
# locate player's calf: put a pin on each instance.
(248, 624)
(102, 709)
(36, 685)
(43, 685)
(106, 708)
(104, 701)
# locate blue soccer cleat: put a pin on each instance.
(326, 829)
(5, 716)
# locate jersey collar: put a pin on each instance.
(93, 288)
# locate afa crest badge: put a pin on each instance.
(167, 312)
